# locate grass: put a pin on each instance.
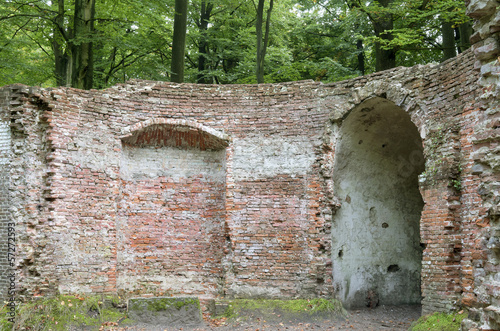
(97, 311)
(291, 308)
(58, 313)
(439, 321)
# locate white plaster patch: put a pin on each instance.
(261, 157)
(171, 162)
(180, 282)
(254, 291)
(4, 142)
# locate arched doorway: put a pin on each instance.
(376, 248)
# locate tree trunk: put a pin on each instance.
(82, 53)
(464, 31)
(382, 24)
(205, 12)
(361, 56)
(179, 41)
(262, 44)
(449, 47)
(61, 57)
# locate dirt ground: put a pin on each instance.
(379, 318)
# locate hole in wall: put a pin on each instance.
(393, 268)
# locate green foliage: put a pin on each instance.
(58, 313)
(324, 40)
(439, 321)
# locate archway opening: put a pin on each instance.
(376, 232)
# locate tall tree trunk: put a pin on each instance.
(382, 25)
(448, 34)
(61, 56)
(262, 43)
(464, 32)
(361, 56)
(205, 12)
(82, 52)
(179, 41)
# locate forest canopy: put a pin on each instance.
(98, 43)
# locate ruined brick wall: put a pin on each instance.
(5, 138)
(484, 148)
(150, 188)
(268, 234)
(29, 195)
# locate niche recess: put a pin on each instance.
(376, 237)
(171, 209)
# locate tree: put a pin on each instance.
(58, 42)
(82, 46)
(179, 41)
(21, 60)
(333, 41)
(132, 41)
(71, 37)
(262, 43)
(402, 25)
(205, 13)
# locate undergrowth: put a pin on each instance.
(58, 313)
(439, 321)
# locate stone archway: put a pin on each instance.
(376, 238)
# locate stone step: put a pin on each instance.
(182, 311)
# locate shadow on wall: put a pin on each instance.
(376, 238)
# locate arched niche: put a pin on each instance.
(376, 248)
(171, 209)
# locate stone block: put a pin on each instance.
(165, 310)
(481, 8)
(489, 50)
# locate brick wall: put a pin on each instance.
(482, 145)
(4, 187)
(149, 188)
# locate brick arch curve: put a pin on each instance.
(407, 99)
(183, 133)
